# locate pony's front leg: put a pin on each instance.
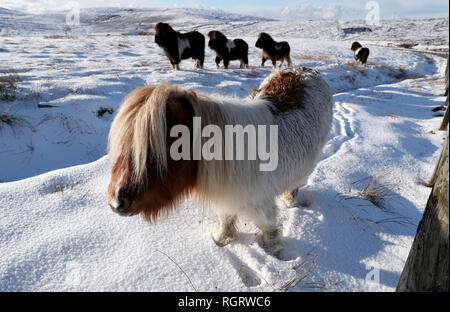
(218, 60)
(226, 231)
(289, 62)
(263, 60)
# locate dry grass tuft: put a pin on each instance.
(391, 114)
(60, 37)
(315, 58)
(416, 76)
(301, 271)
(8, 119)
(377, 193)
(103, 110)
(9, 85)
(59, 186)
(352, 64)
(146, 33)
(407, 45)
(381, 196)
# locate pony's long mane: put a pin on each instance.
(266, 37)
(217, 35)
(139, 130)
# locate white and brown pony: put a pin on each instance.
(146, 180)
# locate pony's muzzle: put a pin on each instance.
(119, 206)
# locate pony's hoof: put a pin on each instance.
(222, 239)
(274, 249)
(289, 198)
(288, 201)
(271, 242)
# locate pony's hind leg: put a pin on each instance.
(226, 231)
(244, 62)
(198, 63)
(289, 198)
(266, 219)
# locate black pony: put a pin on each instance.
(228, 50)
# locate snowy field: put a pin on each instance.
(356, 218)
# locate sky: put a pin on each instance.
(284, 9)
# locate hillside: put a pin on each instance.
(57, 232)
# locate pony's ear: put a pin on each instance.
(179, 110)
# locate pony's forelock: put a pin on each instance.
(139, 131)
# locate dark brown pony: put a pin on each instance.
(274, 51)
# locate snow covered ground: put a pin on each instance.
(57, 232)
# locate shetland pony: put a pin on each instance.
(146, 180)
(275, 51)
(227, 49)
(178, 46)
(361, 54)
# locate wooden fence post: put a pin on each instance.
(426, 268)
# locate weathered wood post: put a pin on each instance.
(444, 122)
(426, 268)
